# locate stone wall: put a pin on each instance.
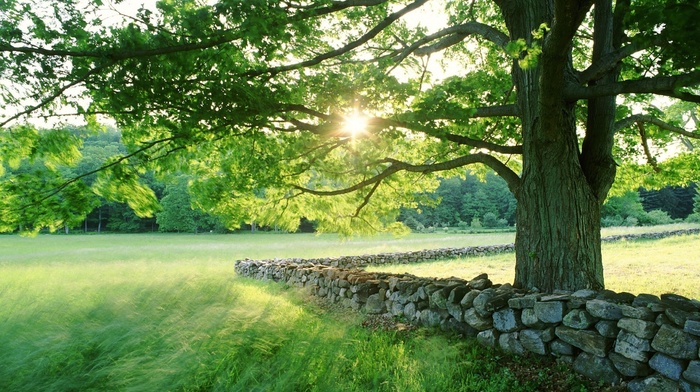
(650, 342)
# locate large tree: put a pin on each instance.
(262, 101)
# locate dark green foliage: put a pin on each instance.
(676, 201)
(461, 200)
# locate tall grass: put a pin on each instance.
(184, 326)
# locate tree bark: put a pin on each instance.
(558, 216)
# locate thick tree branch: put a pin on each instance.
(645, 118)
(396, 166)
(611, 60)
(386, 22)
(660, 85)
(459, 139)
(451, 36)
(645, 145)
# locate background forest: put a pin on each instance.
(474, 202)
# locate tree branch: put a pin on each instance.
(646, 118)
(645, 145)
(453, 35)
(660, 85)
(396, 166)
(459, 139)
(55, 94)
(610, 61)
(121, 159)
(386, 22)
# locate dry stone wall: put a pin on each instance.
(650, 342)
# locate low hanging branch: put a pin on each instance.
(645, 118)
(645, 145)
(396, 166)
(660, 85)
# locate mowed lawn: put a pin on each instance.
(159, 312)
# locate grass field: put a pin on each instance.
(166, 312)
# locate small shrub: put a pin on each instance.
(693, 218)
(655, 217)
(630, 221)
(612, 221)
(490, 220)
(476, 223)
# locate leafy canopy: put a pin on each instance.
(250, 97)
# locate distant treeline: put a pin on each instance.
(467, 202)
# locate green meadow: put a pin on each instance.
(156, 312)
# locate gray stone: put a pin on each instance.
(397, 309)
(678, 317)
(487, 338)
(463, 329)
(457, 294)
(468, 299)
(561, 348)
(662, 319)
(472, 318)
(603, 309)
(597, 368)
(692, 373)
(639, 328)
(655, 383)
(482, 300)
(480, 284)
(607, 328)
(550, 312)
(579, 319)
(584, 294)
(529, 318)
(455, 310)
(692, 327)
(375, 304)
(628, 367)
(438, 300)
(645, 300)
(675, 342)
(687, 386)
(637, 312)
(499, 301)
(588, 341)
(632, 347)
(431, 317)
(525, 302)
(536, 340)
(678, 302)
(507, 320)
(555, 297)
(510, 343)
(410, 311)
(667, 366)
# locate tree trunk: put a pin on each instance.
(558, 215)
